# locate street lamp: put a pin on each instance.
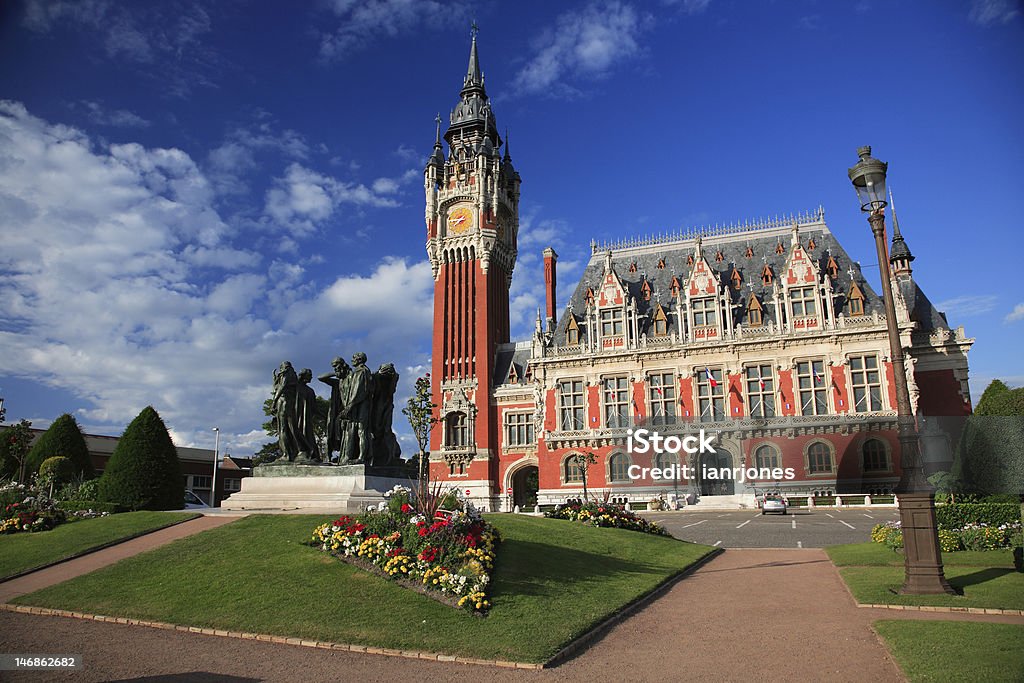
(922, 559)
(216, 457)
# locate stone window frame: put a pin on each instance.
(624, 415)
(770, 391)
(609, 469)
(664, 400)
(525, 421)
(582, 406)
(831, 451)
(879, 368)
(825, 382)
(776, 454)
(886, 454)
(701, 382)
(567, 465)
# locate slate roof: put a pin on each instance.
(725, 249)
(507, 355)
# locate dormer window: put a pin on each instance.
(689, 260)
(612, 323)
(803, 302)
(705, 313)
(588, 298)
(832, 268)
(749, 253)
(811, 245)
(572, 331)
(779, 249)
(755, 312)
(737, 281)
(660, 326)
(632, 267)
(719, 256)
(645, 289)
(856, 300)
(766, 275)
(675, 287)
(513, 376)
(661, 264)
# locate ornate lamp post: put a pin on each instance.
(922, 559)
(216, 457)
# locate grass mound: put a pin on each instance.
(552, 582)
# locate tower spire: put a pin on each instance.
(899, 254)
(473, 76)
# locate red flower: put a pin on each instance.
(394, 552)
(406, 508)
(423, 531)
(355, 528)
(429, 554)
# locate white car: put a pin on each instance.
(194, 502)
(773, 504)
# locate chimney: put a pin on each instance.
(550, 259)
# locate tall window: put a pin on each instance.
(819, 458)
(760, 391)
(616, 402)
(660, 326)
(867, 383)
(711, 396)
(572, 470)
(457, 430)
(661, 393)
(766, 456)
(571, 393)
(875, 457)
(518, 429)
(618, 467)
(666, 460)
(704, 312)
(813, 390)
(802, 300)
(612, 324)
(572, 332)
(754, 315)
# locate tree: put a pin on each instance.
(56, 471)
(585, 460)
(63, 438)
(323, 407)
(990, 455)
(14, 447)
(269, 452)
(419, 410)
(144, 472)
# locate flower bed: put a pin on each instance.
(605, 515)
(971, 536)
(29, 517)
(448, 555)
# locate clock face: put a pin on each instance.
(460, 220)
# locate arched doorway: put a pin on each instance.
(720, 460)
(525, 483)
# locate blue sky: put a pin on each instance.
(191, 192)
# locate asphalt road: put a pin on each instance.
(797, 529)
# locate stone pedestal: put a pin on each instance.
(291, 487)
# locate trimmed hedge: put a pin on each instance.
(959, 515)
(63, 438)
(144, 472)
(95, 505)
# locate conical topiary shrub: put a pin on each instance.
(144, 472)
(64, 438)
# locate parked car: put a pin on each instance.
(193, 502)
(773, 504)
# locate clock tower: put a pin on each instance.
(472, 217)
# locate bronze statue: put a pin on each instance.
(284, 401)
(339, 428)
(386, 450)
(305, 411)
(359, 404)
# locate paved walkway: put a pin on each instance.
(746, 615)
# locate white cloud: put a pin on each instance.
(1016, 314)
(117, 118)
(690, 6)
(583, 45)
(230, 162)
(304, 199)
(992, 12)
(968, 305)
(362, 22)
(121, 285)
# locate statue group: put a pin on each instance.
(359, 421)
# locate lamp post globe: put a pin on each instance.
(922, 559)
(868, 178)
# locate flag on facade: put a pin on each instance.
(707, 373)
(761, 382)
(817, 377)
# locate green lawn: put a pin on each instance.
(991, 587)
(22, 552)
(955, 651)
(553, 580)
(878, 555)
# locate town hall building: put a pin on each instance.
(766, 335)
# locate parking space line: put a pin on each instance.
(794, 522)
(687, 526)
(744, 524)
(799, 544)
(867, 515)
(849, 525)
(828, 515)
(718, 543)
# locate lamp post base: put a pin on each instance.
(923, 561)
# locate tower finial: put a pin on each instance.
(895, 223)
(437, 140)
(508, 156)
(473, 76)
